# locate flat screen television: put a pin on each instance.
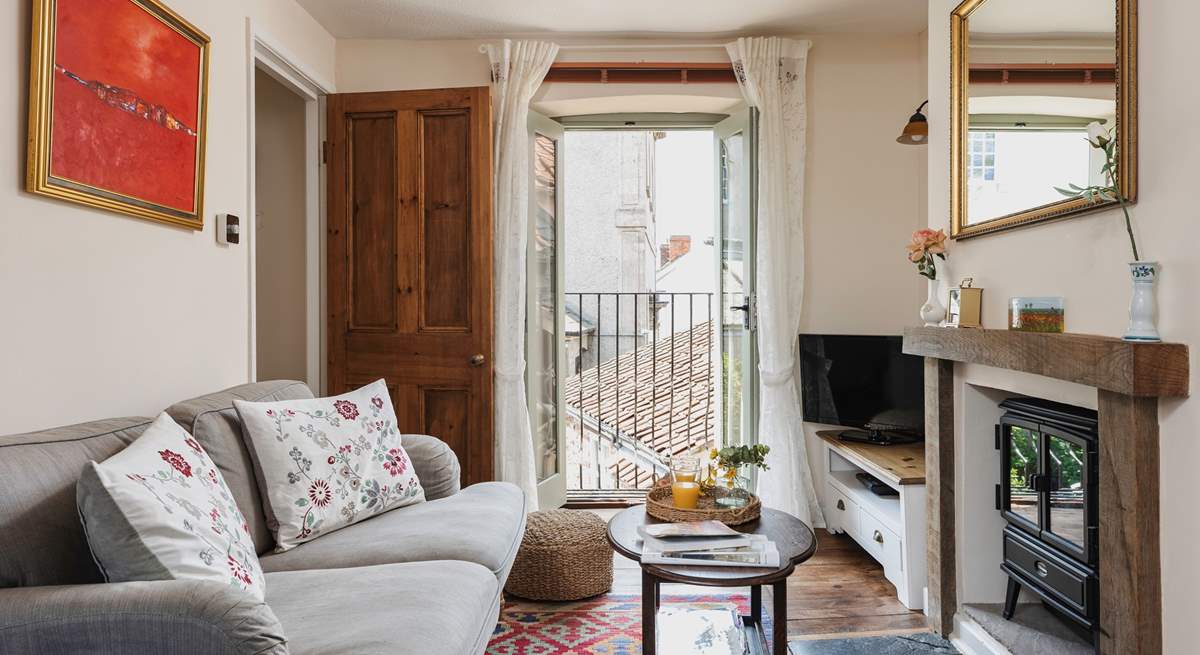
(863, 382)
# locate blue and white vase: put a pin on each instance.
(1142, 305)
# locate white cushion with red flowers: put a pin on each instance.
(326, 463)
(160, 510)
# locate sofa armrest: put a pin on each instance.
(436, 465)
(182, 617)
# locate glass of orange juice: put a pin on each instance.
(685, 482)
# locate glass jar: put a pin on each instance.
(734, 488)
(685, 482)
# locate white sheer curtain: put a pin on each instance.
(518, 68)
(771, 73)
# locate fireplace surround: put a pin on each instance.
(1129, 379)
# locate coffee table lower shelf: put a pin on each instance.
(756, 637)
(752, 627)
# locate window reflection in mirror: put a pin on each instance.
(1039, 73)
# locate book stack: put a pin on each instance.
(705, 543)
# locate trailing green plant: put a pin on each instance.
(1104, 140)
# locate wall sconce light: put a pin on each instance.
(916, 133)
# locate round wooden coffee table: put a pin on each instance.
(794, 539)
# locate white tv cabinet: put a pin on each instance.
(890, 528)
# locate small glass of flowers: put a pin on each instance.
(730, 469)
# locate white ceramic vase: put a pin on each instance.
(1142, 304)
(933, 312)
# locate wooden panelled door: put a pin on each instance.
(410, 260)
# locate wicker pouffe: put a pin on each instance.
(564, 555)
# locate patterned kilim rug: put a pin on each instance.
(607, 625)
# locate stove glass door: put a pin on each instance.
(1066, 468)
(1024, 465)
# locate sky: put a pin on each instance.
(684, 179)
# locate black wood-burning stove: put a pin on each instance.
(1048, 495)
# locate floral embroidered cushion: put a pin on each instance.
(160, 510)
(326, 463)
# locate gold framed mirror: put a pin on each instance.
(1028, 80)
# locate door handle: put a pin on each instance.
(841, 505)
(745, 307)
(878, 537)
(477, 360)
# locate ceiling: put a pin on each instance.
(461, 19)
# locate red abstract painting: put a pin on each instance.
(126, 104)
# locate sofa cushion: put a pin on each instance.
(326, 463)
(215, 424)
(41, 540)
(482, 524)
(159, 510)
(427, 608)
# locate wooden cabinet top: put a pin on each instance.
(901, 464)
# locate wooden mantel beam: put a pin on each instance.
(1124, 367)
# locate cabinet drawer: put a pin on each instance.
(883, 544)
(843, 512)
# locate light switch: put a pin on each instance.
(229, 229)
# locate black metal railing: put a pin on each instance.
(639, 386)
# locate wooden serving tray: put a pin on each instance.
(661, 505)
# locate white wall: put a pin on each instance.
(389, 65)
(279, 225)
(1083, 259)
(105, 315)
(863, 190)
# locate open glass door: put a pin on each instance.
(545, 354)
(736, 152)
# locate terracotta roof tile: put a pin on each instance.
(661, 394)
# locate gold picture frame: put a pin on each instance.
(1126, 103)
(105, 110)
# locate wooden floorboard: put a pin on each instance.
(840, 591)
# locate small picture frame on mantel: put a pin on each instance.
(965, 307)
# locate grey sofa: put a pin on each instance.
(420, 580)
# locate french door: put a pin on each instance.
(545, 351)
(735, 141)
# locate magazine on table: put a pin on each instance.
(688, 529)
(752, 550)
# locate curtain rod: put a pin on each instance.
(646, 46)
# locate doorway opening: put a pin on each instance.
(285, 223)
(653, 337)
(280, 194)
